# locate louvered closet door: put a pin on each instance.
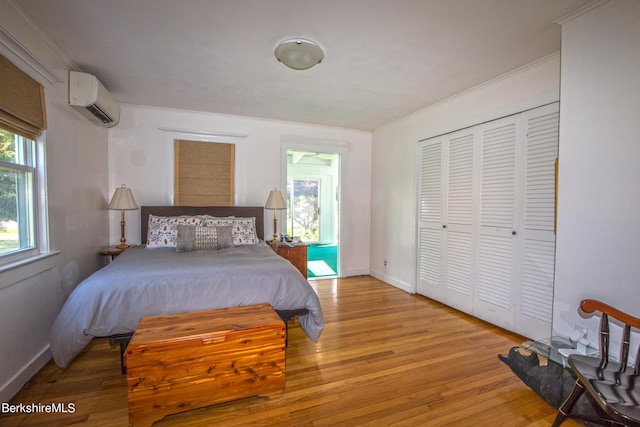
(446, 219)
(500, 206)
(486, 241)
(459, 218)
(430, 213)
(534, 313)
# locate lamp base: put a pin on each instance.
(123, 240)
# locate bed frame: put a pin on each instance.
(240, 211)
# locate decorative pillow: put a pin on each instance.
(243, 230)
(196, 238)
(162, 231)
(161, 235)
(182, 219)
(225, 240)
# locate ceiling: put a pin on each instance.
(384, 59)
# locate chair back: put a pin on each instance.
(628, 321)
(607, 381)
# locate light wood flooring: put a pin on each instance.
(385, 358)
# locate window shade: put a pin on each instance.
(22, 107)
(203, 173)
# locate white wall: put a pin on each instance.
(598, 241)
(395, 152)
(31, 296)
(141, 156)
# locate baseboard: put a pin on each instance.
(355, 272)
(407, 287)
(14, 384)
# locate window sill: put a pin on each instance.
(15, 272)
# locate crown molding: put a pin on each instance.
(551, 57)
(24, 59)
(21, 55)
(579, 12)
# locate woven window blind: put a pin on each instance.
(203, 173)
(22, 107)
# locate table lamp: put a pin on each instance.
(275, 202)
(122, 199)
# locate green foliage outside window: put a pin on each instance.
(7, 180)
(302, 212)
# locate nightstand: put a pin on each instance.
(297, 255)
(112, 252)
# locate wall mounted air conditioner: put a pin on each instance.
(89, 97)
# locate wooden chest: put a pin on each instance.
(180, 362)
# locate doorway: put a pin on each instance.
(313, 208)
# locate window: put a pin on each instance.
(17, 193)
(303, 209)
(23, 117)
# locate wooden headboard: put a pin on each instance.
(240, 211)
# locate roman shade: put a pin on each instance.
(22, 107)
(203, 173)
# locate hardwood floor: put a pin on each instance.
(385, 358)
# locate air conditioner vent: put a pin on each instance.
(96, 111)
(92, 100)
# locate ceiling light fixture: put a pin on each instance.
(299, 54)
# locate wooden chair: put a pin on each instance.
(614, 385)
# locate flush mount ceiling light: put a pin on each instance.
(299, 54)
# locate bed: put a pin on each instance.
(151, 280)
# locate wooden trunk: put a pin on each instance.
(180, 362)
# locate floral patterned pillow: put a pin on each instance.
(243, 230)
(162, 231)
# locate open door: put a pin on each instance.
(313, 183)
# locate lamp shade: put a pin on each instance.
(299, 54)
(275, 200)
(123, 199)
